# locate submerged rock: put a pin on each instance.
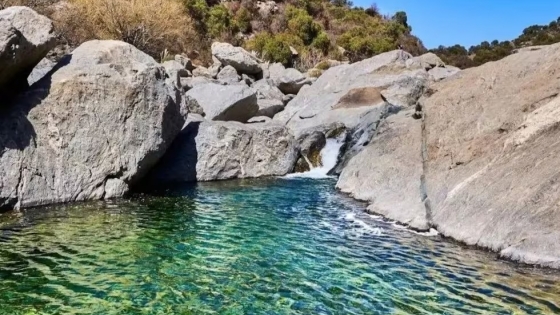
(213, 150)
(90, 130)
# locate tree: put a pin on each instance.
(401, 18)
(342, 3)
(373, 10)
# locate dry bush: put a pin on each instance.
(308, 60)
(41, 6)
(150, 25)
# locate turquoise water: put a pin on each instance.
(274, 246)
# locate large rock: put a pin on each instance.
(236, 57)
(25, 38)
(346, 93)
(225, 102)
(426, 61)
(387, 172)
(212, 150)
(267, 90)
(88, 131)
(228, 75)
(269, 98)
(289, 81)
(492, 173)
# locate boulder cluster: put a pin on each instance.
(470, 153)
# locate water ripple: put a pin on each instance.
(280, 246)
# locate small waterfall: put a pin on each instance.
(329, 157)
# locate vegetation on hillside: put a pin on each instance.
(459, 56)
(316, 29)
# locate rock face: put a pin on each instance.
(212, 150)
(88, 131)
(224, 102)
(387, 172)
(236, 57)
(25, 38)
(481, 164)
(492, 156)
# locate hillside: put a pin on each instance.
(316, 29)
(534, 35)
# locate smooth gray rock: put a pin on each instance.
(266, 90)
(269, 107)
(25, 38)
(361, 132)
(228, 75)
(225, 102)
(492, 156)
(90, 130)
(213, 150)
(236, 57)
(387, 172)
(440, 73)
(40, 70)
(289, 81)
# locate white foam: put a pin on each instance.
(329, 157)
(361, 226)
(430, 233)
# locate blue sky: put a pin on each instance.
(468, 22)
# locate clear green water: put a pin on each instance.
(249, 247)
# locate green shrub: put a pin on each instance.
(322, 42)
(243, 20)
(360, 46)
(198, 11)
(273, 48)
(300, 23)
(219, 21)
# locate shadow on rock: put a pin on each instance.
(16, 131)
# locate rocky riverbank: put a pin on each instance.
(471, 153)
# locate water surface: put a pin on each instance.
(280, 246)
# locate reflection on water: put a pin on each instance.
(283, 246)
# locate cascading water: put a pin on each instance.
(329, 157)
